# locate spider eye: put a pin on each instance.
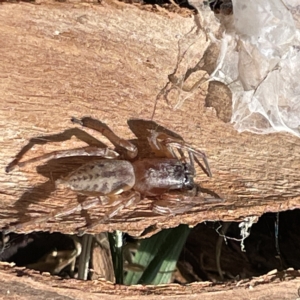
(188, 182)
(188, 177)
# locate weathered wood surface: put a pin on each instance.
(30, 284)
(110, 62)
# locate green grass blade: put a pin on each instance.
(158, 255)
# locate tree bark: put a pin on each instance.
(63, 60)
(29, 284)
(111, 62)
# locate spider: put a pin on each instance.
(122, 178)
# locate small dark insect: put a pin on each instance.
(123, 180)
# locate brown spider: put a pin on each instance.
(123, 182)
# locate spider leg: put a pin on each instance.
(156, 143)
(192, 153)
(173, 204)
(166, 144)
(133, 198)
(108, 133)
(89, 203)
(85, 151)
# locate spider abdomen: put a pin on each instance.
(104, 177)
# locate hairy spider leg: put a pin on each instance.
(133, 198)
(84, 151)
(166, 143)
(173, 204)
(156, 139)
(119, 204)
(193, 152)
(58, 213)
(108, 133)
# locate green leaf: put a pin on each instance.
(158, 255)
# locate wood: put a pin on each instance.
(30, 284)
(63, 60)
(110, 61)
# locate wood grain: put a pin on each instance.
(111, 62)
(29, 284)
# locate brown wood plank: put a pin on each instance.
(63, 60)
